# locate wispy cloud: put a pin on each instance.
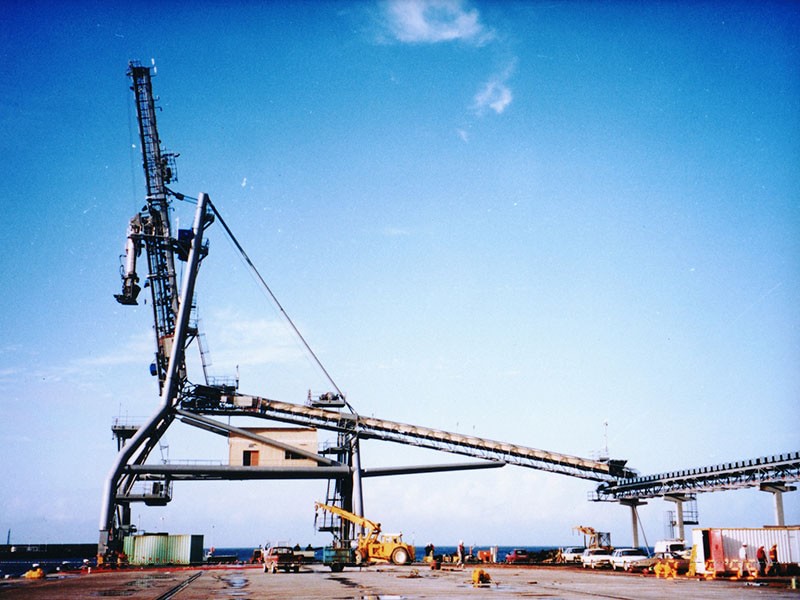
(253, 341)
(396, 231)
(495, 93)
(433, 21)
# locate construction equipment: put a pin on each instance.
(370, 546)
(593, 538)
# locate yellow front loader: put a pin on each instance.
(373, 546)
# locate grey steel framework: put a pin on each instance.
(757, 472)
(134, 479)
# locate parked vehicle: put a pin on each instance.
(572, 554)
(622, 558)
(596, 557)
(283, 558)
(371, 547)
(518, 556)
(676, 562)
(672, 546)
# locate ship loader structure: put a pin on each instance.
(155, 254)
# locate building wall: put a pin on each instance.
(243, 450)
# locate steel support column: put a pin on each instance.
(634, 504)
(678, 499)
(777, 490)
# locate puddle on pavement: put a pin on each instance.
(236, 582)
(236, 587)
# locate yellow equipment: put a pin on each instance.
(372, 546)
(596, 539)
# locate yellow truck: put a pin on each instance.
(370, 547)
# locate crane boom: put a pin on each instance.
(150, 229)
(373, 529)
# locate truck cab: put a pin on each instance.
(283, 558)
(671, 547)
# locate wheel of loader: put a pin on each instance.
(337, 567)
(400, 556)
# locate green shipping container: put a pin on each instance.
(164, 549)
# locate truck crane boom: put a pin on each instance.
(373, 529)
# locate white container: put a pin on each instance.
(716, 550)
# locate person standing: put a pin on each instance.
(743, 570)
(761, 557)
(774, 565)
(460, 552)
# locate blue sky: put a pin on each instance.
(515, 220)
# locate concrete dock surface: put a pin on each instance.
(382, 583)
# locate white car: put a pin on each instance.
(596, 557)
(572, 554)
(622, 558)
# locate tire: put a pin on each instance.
(297, 569)
(400, 556)
(337, 567)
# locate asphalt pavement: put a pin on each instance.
(386, 582)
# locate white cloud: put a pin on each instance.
(432, 21)
(253, 341)
(396, 232)
(494, 94)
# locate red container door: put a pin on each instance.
(717, 550)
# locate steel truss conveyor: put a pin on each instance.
(769, 473)
(413, 435)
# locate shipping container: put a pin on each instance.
(163, 549)
(716, 550)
